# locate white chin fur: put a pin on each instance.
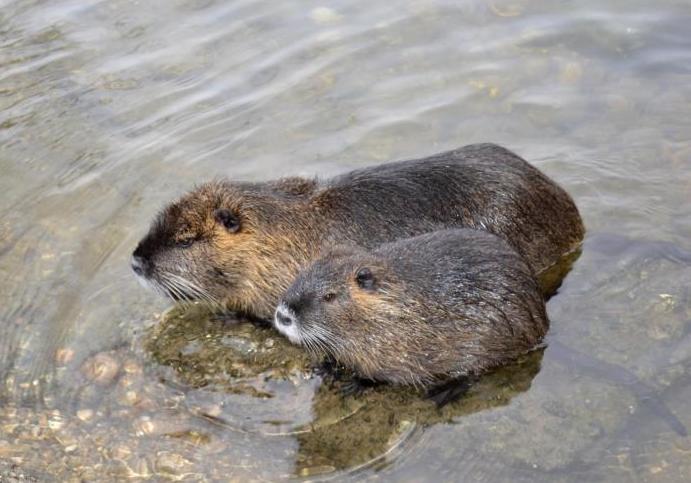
(151, 285)
(290, 331)
(144, 282)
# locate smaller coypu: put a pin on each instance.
(240, 245)
(418, 311)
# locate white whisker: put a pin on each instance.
(192, 290)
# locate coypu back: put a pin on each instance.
(418, 311)
(481, 186)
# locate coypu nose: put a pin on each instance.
(140, 266)
(283, 319)
(284, 316)
(287, 323)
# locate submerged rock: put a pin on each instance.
(101, 368)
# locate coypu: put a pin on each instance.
(419, 311)
(239, 245)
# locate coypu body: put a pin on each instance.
(240, 245)
(417, 311)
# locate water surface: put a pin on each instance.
(110, 109)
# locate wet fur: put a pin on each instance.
(287, 223)
(446, 304)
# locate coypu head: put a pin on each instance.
(351, 306)
(321, 293)
(224, 243)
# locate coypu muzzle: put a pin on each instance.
(286, 322)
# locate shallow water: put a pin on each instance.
(110, 109)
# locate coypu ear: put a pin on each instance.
(365, 279)
(228, 219)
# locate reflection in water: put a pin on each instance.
(110, 109)
(550, 279)
(390, 415)
(645, 395)
(340, 432)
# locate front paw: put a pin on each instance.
(230, 319)
(355, 386)
(450, 391)
(328, 369)
(227, 318)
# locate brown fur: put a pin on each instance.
(286, 224)
(441, 305)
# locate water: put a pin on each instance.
(110, 109)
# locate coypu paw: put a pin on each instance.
(450, 391)
(341, 379)
(330, 371)
(230, 318)
(355, 386)
(227, 319)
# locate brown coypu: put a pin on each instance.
(241, 244)
(417, 311)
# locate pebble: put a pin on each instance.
(132, 367)
(85, 414)
(171, 463)
(130, 398)
(506, 8)
(56, 423)
(213, 410)
(64, 356)
(121, 452)
(141, 468)
(324, 15)
(144, 426)
(101, 368)
(317, 470)
(571, 73)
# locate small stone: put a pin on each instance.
(317, 470)
(571, 73)
(146, 403)
(324, 15)
(171, 463)
(130, 398)
(56, 423)
(132, 367)
(144, 426)
(121, 452)
(101, 368)
(126, 381)
(64, 355)
(504, 8)
(85, 414)
(141, 468)
(213, 410)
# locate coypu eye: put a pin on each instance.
(329, 297)
(185, 242)
(227, 219)
(365, 278)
